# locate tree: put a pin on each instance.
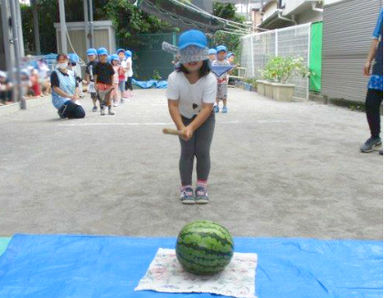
(232, 41)
(127, 19)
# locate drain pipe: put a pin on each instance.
(279, 15)
(314, 8)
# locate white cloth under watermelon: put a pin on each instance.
(165, 274)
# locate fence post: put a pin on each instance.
(276, 43)
(253, 58)
(309, 57)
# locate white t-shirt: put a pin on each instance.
(191, 96)
(123, 64)
(129, 73)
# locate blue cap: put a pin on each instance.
(119, 51)
(221, 49)
(115, 57)
(73, 58)
(91, 51)
(102, 51)
(128, 53)
(212, 52)
(192, 38)
(230, 54)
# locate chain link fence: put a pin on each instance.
(258, 48)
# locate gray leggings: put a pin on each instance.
(199, 146)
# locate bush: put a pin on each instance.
(281, 69)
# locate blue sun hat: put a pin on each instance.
(73, 58)
(193, 46)
(221, 49)
(115, 57)
(212, 52)
(128, 53)
(119, 51)
(230, 54)
(91, 51)
(102, 51)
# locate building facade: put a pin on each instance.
(285, 13)
(348, 27)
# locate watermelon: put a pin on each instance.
(204, 247)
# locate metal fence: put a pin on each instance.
(258, 48)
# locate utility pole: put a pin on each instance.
(16, 43)
(86, 23)
(19, 27)
(36, 27)
(91, 42)
(63, 28)
(6, 38)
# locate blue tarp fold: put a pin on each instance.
(92, 266)
(150, 84)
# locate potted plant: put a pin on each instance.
(277, 72)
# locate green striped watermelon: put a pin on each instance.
(204, 247)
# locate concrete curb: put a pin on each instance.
(15, 107)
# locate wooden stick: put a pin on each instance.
(171, 131)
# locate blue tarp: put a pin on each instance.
(89, 266)
(150, 84)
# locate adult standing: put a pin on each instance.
(374, 96)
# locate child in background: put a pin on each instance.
(116, 67)
(104, 81)
(74, 65)
(26, 83)
(129, 73)
(44, 80)
(212, 54)
(231, 58)
(5, 89)
(222, 81)
(35, 84)
(191, 95)
(89, 76)
(122, 74)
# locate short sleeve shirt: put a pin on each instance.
(191, 96)
(376, 81)
(379, 26)
(104, 72)
(90, 69)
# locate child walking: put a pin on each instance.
(222, 81)
(191, 95)
(89, 71)
(104, 79)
